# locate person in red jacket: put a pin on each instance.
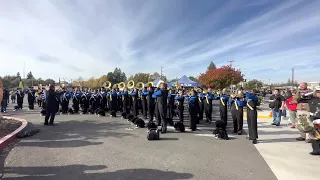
(292, 108)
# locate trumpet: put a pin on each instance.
(108, 84)
(130, 84)
(160, 82)
(121, 86)
(150, 84)
(140, 85)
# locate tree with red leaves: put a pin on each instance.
(221, 77)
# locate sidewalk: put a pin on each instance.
(263, 114)
(287, 158)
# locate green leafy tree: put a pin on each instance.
(254, 84)
(156, 75)
(140, 77)
(30, 75)
(193, 78)
(211, 66)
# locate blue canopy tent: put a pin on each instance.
(155, 82)
(186, 82)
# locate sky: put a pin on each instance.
(74, 38)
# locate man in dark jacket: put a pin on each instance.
(51, 106)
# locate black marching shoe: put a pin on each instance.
(254, 141)
(315, 153)
(248, 138)
(239, 132)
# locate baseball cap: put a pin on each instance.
(318, 88)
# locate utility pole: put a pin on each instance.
(24, 69)
(161, 73)
(292, 78)
(230, 62)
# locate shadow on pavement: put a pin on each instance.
(262, 132)
(80, 172)
(168, 139)
(73, 134)
(280, 140)
(62, 144)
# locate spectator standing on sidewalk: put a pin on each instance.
(302, 108)
(292, 109)
(277, 106)
(13, 96)
(4, 101)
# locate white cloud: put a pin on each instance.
(91, 38)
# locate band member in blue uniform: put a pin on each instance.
(43, 96)
(20, 96)
(85, 95)
(162, 96)
(156, 109)
(125, 101)
(104, 94)
(223, 108)
(151, 103)
(237, 103)
(144, 103)
(64, 98)
(114, 102)
(201, 99)
(180, 101)
(76, 97)
(193, 103)
(31, 97)
(252, 115)
(171, 100)
(92, 102)
(119, 100)
(134, 95)
(208, 105)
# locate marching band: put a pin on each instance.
(152, 102)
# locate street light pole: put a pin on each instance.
(292, 78)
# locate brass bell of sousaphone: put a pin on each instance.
(140, 85)
(115, 86)
(130, 84)
(121, 86)
(160, 82)
(150, 84)
(108, 84)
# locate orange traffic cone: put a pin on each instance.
(270, 114)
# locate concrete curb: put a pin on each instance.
(12, 136)
(259, 117)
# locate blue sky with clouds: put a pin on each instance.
(265, 39)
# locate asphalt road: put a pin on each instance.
(87, 147)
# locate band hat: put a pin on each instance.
(318, 88)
